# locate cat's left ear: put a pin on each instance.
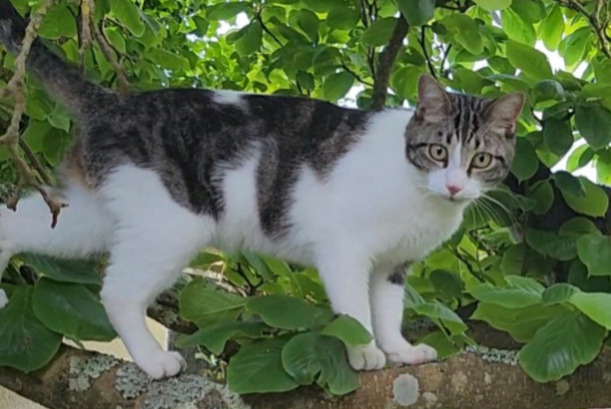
(504, 112)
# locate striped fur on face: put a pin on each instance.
(463, 144)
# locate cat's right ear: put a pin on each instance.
(433, 101)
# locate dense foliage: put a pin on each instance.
(532, 259)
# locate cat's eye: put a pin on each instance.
(482, 160)
(438, 152)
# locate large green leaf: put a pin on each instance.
(337, 85)
(205, 304)
(71, 310)
(257, 368)
(595, 306)
(520, 323)
(562, 345)
(417, 12)
(594, 124)
(282, 311)
(465, 32)
(552, 28)
(557, 136)
(313, 357)
(25, 343)
(437, 311)
(551, 245)
(519, 293)
(558, 293)
(250, 41)
(526, 163)
(214, 337)
(343, 18)
(58, 22)
(128, 13)
(66, 271)
(379, 32)
(532, 62)
(595, 252)
(493, 5)
(594, 203)
(348, 330)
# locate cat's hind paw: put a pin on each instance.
(366, 357)
(411, 354)
(163, 364)
(3, 299)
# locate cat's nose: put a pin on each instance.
(453, 189)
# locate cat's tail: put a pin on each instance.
(62, 81)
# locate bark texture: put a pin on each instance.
(481, 378)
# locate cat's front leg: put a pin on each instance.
(387, 289)
(346, 280)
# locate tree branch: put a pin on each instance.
(479, 378)
(594, 18)
(387, 59)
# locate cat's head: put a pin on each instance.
(463, 145)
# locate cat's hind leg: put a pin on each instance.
(154, 238)
(84, 227)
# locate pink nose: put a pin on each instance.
(453, 189)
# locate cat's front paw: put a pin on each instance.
(406, 354)
(3, 299)
(162, 364)
(366, 357)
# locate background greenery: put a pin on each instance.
(533, 258)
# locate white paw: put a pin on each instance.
(366, 357)
(406, 354)
(3, 299)
(162, 364)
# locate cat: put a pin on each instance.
(154, 177)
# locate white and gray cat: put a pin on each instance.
(154, 177)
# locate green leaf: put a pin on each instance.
(595, 306)
(167, 59)
(578, 226)
(257, 368)
(465, 32)
(282, 311)
(25, 343)
(543, 194)
(115, 39)
(65, 271)
(343, 18)
(579, 158)
(562, 345)
(531, 61)
(549, 90)
(58, 22)
(594, 123)
(521, 292)
(549, 244)
(517, 28)
(250, 41)
(525, 163)
(557, 136)
(129, 15)
(226, 10)
(308, 22)
(417, 12)
(379, 32)
(594, 203)
(552, 28)
(594, 251)
(532, 11)
(71, 310)
(202, 25)
(447, 282)
(569, 183)
(558, 293)
(337, 85)
(323, 6)
(435, 311)
(312, 357)
(214, 337)
(59, 118)
(520, 323)
(493, 5)
(204, 304)
(348, 330)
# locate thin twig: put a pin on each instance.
(599, 26)
(87, 8)
(426, 54)
(34, 162)
(356, 75)
(444, 59)
(98, 33)
(12, 137)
